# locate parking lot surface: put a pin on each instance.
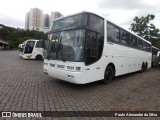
(24, 87)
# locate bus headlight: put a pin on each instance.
(70, 67)
(52, 65)
(73, 68)
(45, 64)
(78, 68)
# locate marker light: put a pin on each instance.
(68, 67)
(78, 68)
(72, 68)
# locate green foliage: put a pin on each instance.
(147, 30)
(16, 36)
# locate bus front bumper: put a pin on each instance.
(69, 76)
(27, 56)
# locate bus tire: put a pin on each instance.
(39, 57)
(146, 66)
(142, 68)
(152, 64)
(109, 74)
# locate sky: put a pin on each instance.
(121, 12)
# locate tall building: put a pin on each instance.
(54, 15)
(46, 25)
(46, 21)
(36, 20)
(27, 21)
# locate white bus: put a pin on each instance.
(32, 49)
(21, 47)
(90, 48)
(155, 56)
(158, 55)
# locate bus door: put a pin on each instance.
(29, 47)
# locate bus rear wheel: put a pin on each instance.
(142, 68)
(108, 75)
(146, 66)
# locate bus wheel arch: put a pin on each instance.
(109, 73)
(146, 66)
(39, 57)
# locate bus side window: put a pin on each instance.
(125, 37)
(113, 33)
(117, 35)
(110, 32)
(39, 44)
(96, 23)
(144, 46)
(148, 48)
(139, 44)
(133, 41)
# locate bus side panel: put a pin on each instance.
(126, 59)
(37, 51)
(95, 71)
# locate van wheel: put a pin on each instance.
(39, 57)
(108, 75)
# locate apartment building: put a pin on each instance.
(36, 20)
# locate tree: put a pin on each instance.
(15, 36)
(145, 29)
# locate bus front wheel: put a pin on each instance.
(108, 75)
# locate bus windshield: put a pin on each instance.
(67, 45)
(29, 46)
(79, 20)
(68, 35)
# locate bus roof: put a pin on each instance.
(32, 40)
(155, 47)
(68, 15)
(105, 19)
